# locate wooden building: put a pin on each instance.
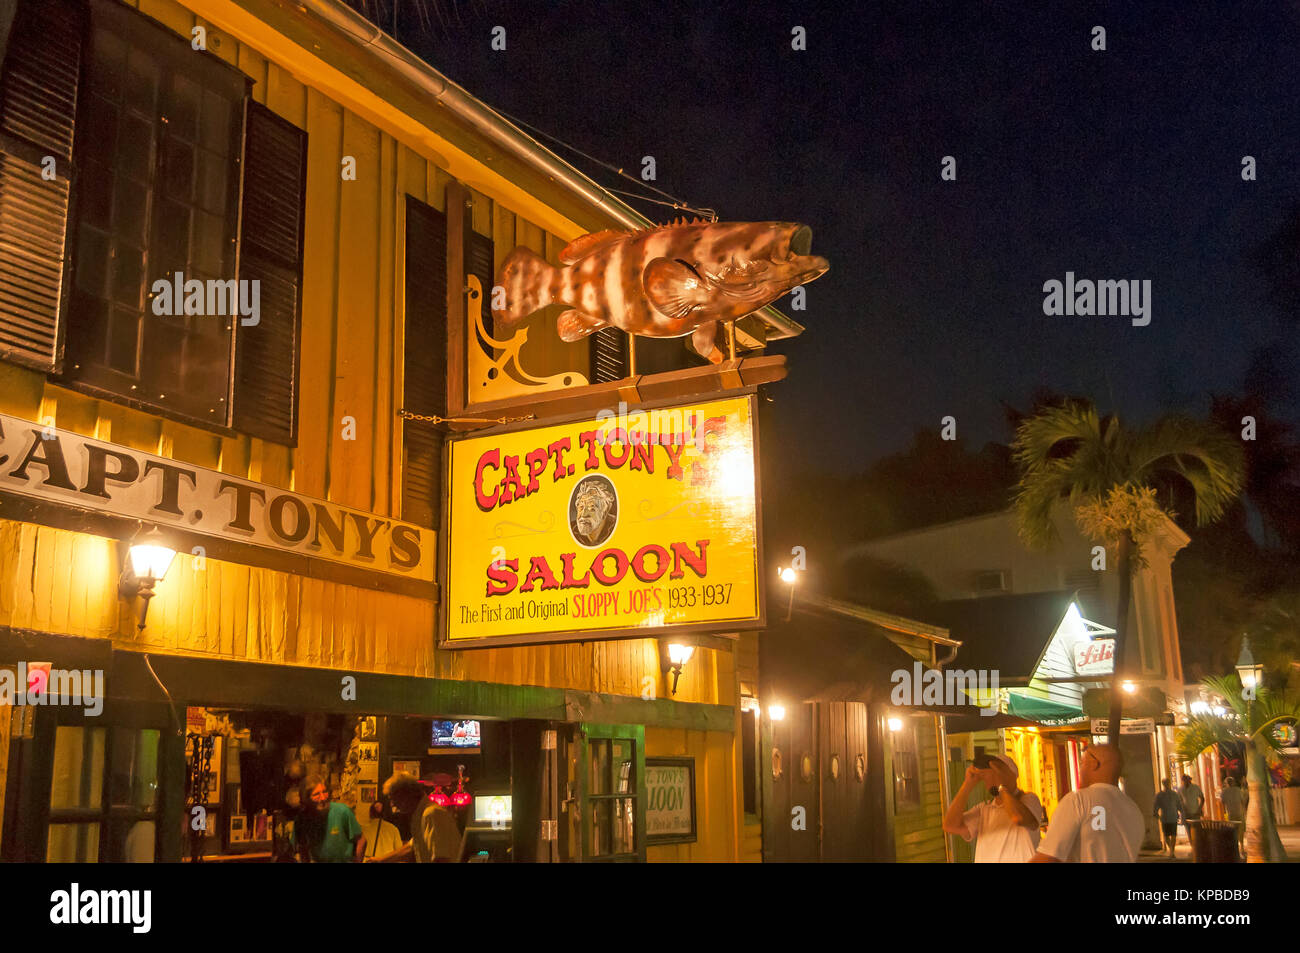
(847, 774)
(374, 200)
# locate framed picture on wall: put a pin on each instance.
(238, 829)
(368, 761)
(368, 728)
(367, 794)
(408, 767)
(670, 800)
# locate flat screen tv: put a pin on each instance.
(448, 736)
(492, 809)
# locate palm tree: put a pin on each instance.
(1254, 724)
(1110, 476)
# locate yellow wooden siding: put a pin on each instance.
(717, 793)
(55, 580)
(918, 833)
(350, 366)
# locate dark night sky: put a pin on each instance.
(1117, 164)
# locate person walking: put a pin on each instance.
(1097, 824)
(1193, 808)
(1234, 799)
(1168, 808)
(1005, 827)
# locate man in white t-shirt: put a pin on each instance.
(435, 836)
(1005, 828)
(1097, 824)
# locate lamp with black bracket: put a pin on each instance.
(673, 657)
(148, 558)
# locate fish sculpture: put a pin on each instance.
(662, 282)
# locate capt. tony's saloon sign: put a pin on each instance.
(56, 466)
(626, 525)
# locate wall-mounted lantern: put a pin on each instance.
(147, 560)
(675, 657)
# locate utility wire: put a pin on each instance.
(674, 201)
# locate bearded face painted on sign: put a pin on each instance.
(593, 511)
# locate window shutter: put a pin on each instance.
(38, 105)
(424, 381)
(608, 355)
(270, 252)
(479, 251)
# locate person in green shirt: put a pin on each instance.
(332, 833)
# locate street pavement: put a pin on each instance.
(1290, 834)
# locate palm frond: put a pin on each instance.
(1229, 688)
(1203, 732)
(1210, 460)
(1054, 452)
(1268, 711)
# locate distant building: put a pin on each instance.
(1032, 614)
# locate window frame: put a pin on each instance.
(161, 36)
(107, 813)
(905, 782)
(635, 734)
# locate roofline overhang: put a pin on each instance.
(885, 620)
(242, 19)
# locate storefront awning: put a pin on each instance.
(956, 724)
(1040, 710)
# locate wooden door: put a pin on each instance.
(610, 778)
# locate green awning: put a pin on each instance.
(1040, 709)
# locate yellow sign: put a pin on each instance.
(630, 524)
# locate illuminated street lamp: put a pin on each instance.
(147, 562)
(776, 712)
(1129, 687)
(1251, 672)
(788, 576)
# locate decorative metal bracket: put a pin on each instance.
(494, 368)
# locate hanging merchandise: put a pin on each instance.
(460, 797)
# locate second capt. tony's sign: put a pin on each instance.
(625, 525)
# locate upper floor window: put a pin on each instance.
(137, 268)
(158, 148)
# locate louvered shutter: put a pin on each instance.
(424, 387)
(608, 355)
(478, 262)
(270, 252)
(38, 104)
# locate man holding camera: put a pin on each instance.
(1004, 828)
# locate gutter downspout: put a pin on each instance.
(492, 126)
(942, 731)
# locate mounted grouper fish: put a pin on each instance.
(662, 282)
